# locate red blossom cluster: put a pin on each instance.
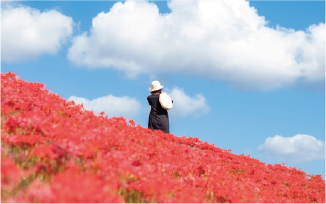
(56, 151)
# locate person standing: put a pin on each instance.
(158, 117)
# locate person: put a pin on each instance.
(158, 117)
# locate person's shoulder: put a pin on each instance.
(153, 96)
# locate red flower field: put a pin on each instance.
(53, 150)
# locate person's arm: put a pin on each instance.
(148, 101)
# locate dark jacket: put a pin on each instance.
(158, 117)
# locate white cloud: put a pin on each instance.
(184, 105)
(221, 40)
(299, 148)
(111, 105)
(27, 33)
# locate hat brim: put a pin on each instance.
(155, 89)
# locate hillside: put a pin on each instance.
(53, 150)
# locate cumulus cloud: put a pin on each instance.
(220, 40)
(111, 105)
(27, 33)
(299, 148)
(184, 105)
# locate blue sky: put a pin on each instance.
(239, 73)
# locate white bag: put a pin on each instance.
(165, 101)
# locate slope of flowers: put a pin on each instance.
(55, 151)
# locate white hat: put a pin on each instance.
(155, 86)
